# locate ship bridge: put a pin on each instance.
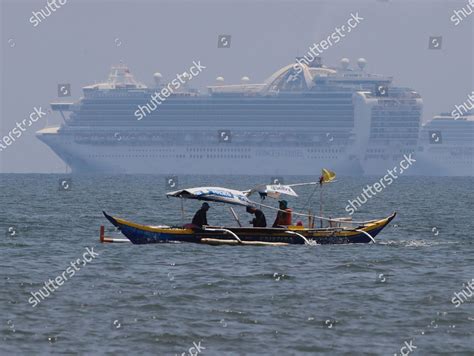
(120, 77)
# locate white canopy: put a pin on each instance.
(273, 190)
(276, 190)
(217, 194)
(237, 197)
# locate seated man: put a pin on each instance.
(259, 220)
(200, 218)
(283, 217)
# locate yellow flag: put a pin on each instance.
(327, 176)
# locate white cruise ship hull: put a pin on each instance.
(221, 159)
(447, 164)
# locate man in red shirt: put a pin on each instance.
(283, 217)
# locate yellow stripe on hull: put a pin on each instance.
(170, 230)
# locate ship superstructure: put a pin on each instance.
(296, 122)
(447, 146)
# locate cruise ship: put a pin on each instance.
(294, 123)
(446, 146)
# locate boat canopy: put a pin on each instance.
(216, 194)
(273, 190)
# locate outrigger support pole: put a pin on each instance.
(304, 238)
(225, 230)
(369, 235)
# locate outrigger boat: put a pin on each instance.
(337, 231)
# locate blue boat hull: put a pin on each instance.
(144, 234)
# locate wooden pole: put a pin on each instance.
(236, 217)
(321, 204)
(182, 211)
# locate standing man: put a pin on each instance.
(283, 217)
(200, 218)
(259, 220)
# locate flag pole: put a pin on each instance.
(326, 177)
(321, 204)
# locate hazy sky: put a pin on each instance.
(78, 43)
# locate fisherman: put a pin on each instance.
(259, 220)
(200, 218)
(283, 217)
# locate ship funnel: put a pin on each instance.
(220, 80)
(245, 79)
(157, 77)
(361, 62)
(345, 63)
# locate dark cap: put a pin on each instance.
(284, 203)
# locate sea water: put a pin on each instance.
(410, 288)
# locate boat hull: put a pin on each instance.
(293, 235)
